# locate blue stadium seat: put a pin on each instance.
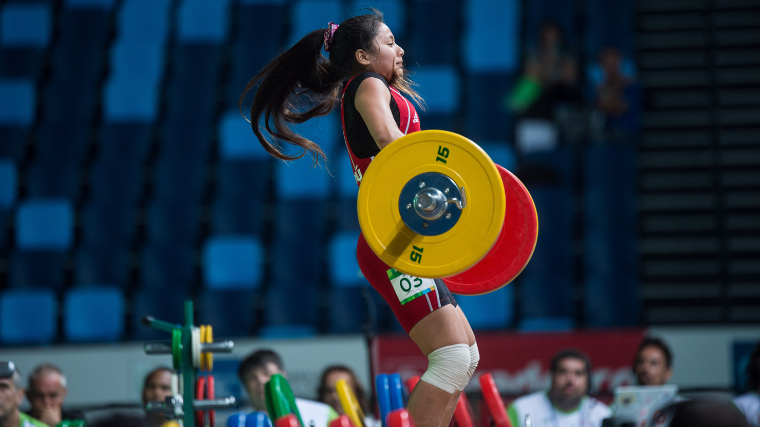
(236, 139)
(191, 91)
(97, 264)
(79, 54)
(45, 224)
(434, 40)
(555, 167)
(492, 311)
(300, 179)
(486, 117)
(230, 312)
(69, 100)
(325, 131)
(546, 324)
(8, 184)
(163, 304)
(89, 4)
(125, 142)
(345, 206)
(344, 268)
(93, 314)
(241, 190)
(609, 25)
(302, 250)
(233, 262)
(562, 12)
(25, 32)
(51, 178)
(309, 15)
(292, 305)
(108, 222)
(287, 332)
(127, 100)
(180, 178)
(144, 22)
(173, 221)
(37, 269)
(340, 165)
(28, 316)
(17, 102)
(440, 86)
(201, 21)
(167, 266)
(394, 15)
(550, 270)
(26, 25)
(349, 309)
(360, 309)
(492, 37)
(14, 142)
(248, 55)
(610, 247)
(501, 152)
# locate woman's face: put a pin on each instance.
(387, 59)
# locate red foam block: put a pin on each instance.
(493, 400)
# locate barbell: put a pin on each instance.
(433, 204)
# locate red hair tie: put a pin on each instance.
(329, 33)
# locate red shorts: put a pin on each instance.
(416, 304)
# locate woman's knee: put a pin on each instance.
(449, 368)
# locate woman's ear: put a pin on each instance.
(362, 57)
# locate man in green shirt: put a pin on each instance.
(255, 371)
(11, 397)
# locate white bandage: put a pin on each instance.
(474, 359)
(448, 368)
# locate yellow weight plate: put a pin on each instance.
(203, 341)
(478, 226)
(209, 356)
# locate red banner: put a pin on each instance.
(520, 362)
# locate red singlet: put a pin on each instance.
(410, 298)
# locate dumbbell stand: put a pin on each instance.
(188, 373)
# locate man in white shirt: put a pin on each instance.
(567, 403)
(254, 372)
(749, 403)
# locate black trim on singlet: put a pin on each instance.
(359, 138)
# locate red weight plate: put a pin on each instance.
(512, 250)
(200, 392)
(210, 394)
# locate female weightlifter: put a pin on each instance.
(365, 69)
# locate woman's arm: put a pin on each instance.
(373, 103)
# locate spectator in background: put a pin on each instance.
(567, 402)
(11, 397)
(617, 98)
(550, 76)
(329, 395)
(157, 387)
(256, 370)
(654, 362)
(46, 393)
(699, 413)
(749, 403)
(121, 420)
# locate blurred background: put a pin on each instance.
(129, 181)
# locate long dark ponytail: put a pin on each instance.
(300, 83)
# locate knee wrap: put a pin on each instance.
(474, 359)
(448, 368)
